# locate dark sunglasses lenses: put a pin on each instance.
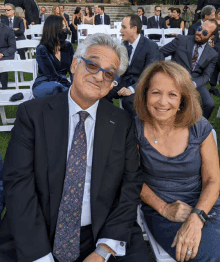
(94, 68)
(8, 10)
(204, 32)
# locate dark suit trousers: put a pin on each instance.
(21, 52)
(4, 80)
(207, 101)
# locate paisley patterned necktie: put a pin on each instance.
(195, 56)
(67, 236)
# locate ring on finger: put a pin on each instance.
(189, 252)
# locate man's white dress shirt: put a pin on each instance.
(115, 245)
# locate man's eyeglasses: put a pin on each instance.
(158, 10)
(94, 68)
(138, 11)
(204, 32)
(8, 10)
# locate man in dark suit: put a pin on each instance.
(140, 13)
(202, 3)
(30, 7)
(7, 49)
(208, 12)
(198, 57)
(156, 21)
(141, 52)
(170, 14)
(16, 23)
(102, 18)
(43, 15)
(65, 15)
(76, 183)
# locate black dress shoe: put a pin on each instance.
(215, 92)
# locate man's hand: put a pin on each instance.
(94, 257)
(1, 55)
(177, 211)
(124, 91)
(32, 23)
(15, 29)
(199, 11)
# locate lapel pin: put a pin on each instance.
(112, 122)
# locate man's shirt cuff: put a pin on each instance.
(132, 89)
(47, 258)
(194, 84)
(117, 246)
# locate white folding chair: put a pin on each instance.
(154, 31)
(36, 30)
(31, 45)
(27, 66)
(117, 25)
(115, 33)
(170, 31)
(27, 32)
(186, 31)
(80, 32)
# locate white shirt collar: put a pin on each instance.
(134, 45)
(11, 18)
(74, 108)
(156, 17)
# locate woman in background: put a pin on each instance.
(54, 56)
(19, 12)
(88, 18)
(56, 11)
(76, 20)
(175, 21)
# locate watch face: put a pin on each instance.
(204, 217)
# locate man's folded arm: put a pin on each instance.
(27, 222)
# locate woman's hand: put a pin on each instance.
(177, 211)
(188, 238)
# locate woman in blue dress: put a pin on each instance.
(180, 164)
(54, 56)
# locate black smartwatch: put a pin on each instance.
(202, 215)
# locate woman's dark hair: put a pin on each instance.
(177, 10)
(52, 33)
(90, 11)
(77, 10)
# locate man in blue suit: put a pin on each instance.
(141, 52)
(7, 49)
(16, 23)
(198, 57)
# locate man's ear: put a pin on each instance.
(112, 85)
(211, 37)
(74, 65)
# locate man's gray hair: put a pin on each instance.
(99, 39)
(11, 5)
(207, 10)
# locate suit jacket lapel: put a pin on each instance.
(190, 45)
(138, 48)
(56, 121)
(204, 55)
(104, 132)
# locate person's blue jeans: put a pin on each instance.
(48, 89)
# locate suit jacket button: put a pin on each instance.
(121, 244)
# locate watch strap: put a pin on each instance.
(103, 253)
(202, 215)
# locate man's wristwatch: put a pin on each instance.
(202, 215)
(103, 253)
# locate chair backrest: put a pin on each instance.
(27, 32)
(154, 31)
(36, 29)
(27, 66)
(171, 31)
(27, 44)
(115, 33)
(117, 25)
(186, 31)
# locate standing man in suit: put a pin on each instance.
(76, 184)
(156, 21)
(43, 15)
(102, 18)
(7, 49)
(65, 15)
(16, 23)
(141, 52)
(198, 57)
(30, 7)
(140, 13)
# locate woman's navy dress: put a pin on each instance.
(51, 77)
(178, 178)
